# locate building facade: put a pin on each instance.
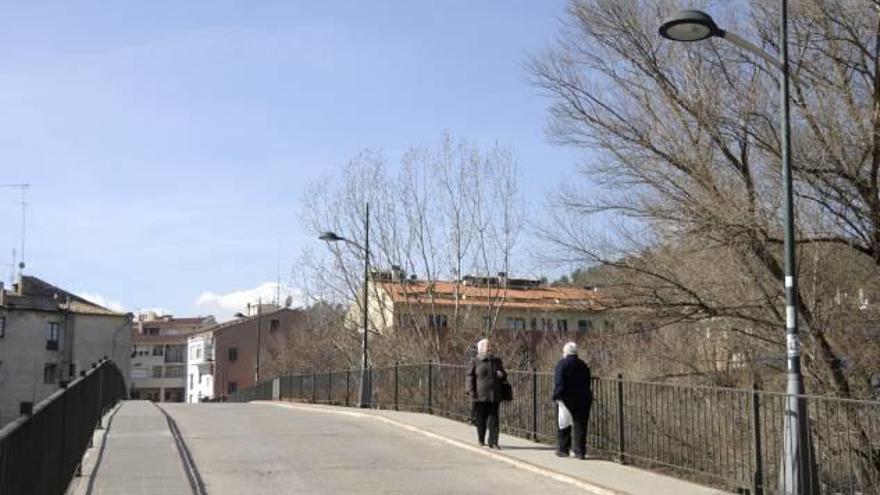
(47, 336)
(479, 303)
(158, 367)
(223, 358)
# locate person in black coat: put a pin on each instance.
(572, 392)
(484, 378)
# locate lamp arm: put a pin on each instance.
(754, 49)
(750, 47)
(355, 244)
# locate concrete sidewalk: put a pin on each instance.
(597, 476)
(135, 454)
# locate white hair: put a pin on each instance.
(481, 347)
(570, 349)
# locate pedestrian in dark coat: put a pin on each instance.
(574, 396)
(484, 378)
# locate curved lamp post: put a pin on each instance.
(797, 473)
(365, 392)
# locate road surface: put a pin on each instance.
(261, 448)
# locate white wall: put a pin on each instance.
(200, 367)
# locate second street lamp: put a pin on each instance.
(797, 474)
(365, 391)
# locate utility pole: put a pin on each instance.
(24, 204)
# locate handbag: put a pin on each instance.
(506, 391)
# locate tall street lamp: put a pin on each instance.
(365, 392)
(797, 474)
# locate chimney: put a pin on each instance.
(502, 278)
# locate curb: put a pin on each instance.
(189, 466)
(525, 465)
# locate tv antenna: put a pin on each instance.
(24, 204)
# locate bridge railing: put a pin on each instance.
(725, 437)
(42, 450)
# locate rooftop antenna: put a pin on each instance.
(278, 275)
(24, 204)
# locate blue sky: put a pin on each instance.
(168, 142)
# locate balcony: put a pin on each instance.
(51, 345)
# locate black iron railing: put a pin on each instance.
(41, 451)
(730, 438)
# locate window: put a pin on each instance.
(437, 321)
(487, 322)
(158, 350)
(274, 325)
(52, 337)
(198, 353)
(174, 372)
(233, 354)
(151, 331)
(2, 327)
(584, 326)
(50, 370)
(191, 381)
(231, 387)
(561, 325)
(609, 325)
(174, 354)
(534, 323)
(516, 323)
(157, 372)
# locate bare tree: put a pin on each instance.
(683, 147)
(445, 211)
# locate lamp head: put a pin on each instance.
(330, 237)
(689, 25)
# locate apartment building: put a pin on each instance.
(479, 303)
(47, 335)
(158, 358)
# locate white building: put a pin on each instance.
(200, 367)
(48, 335)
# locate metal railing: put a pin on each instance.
(729, 438)
(40, 452)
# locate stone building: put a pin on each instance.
(47, 335)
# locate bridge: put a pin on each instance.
(300, 434)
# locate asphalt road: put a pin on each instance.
(259, 448)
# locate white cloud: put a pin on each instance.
(102, 301)
(224, 306)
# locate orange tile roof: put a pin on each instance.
(541, 298)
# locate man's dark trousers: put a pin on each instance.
(578, 430)
(487, 421)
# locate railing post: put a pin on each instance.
(100, 372)
(396, 386)
(758, 475)
(621, 437)
(430, 387)
(347, 385)
(62, 450)
(534, 404)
